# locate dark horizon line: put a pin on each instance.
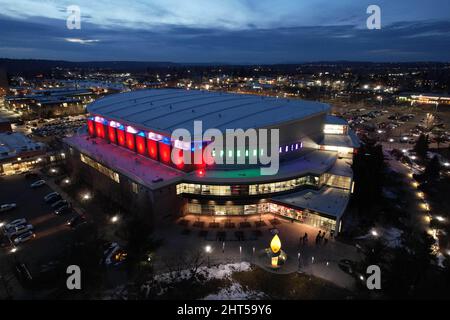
(218, 63)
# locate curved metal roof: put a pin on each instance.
(165, 110)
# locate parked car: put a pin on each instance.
(23, 237)
(113, 254)
(76, 221)
(37, 184)
(18, 230)
(15, 223)
(59, 203)
(63, 210)
(54, 199)
(50, 195)
(7, 207)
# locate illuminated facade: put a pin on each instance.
(128, 141)
(420, 98)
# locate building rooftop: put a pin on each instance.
(139, 168)
(14, 143)
(335, 120)
(340, 140)
(328, 201)
(164, 110)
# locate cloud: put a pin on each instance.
(48, 38)
(81, 41)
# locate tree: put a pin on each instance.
(421, 146)
(368, 173)
(433, 168)
(439, 140)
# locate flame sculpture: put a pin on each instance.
(275, 244)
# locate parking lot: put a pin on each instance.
(52, 232)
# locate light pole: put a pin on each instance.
(208, 250)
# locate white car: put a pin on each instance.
(23, 237)
(7, 207)
(18, 230)
(15, 223)
(37, 184)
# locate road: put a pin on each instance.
(52, 234)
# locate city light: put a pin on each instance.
(391, 140)
(404, 150)
(114, 219)
(13, 250)
(66, 181)
(420, 195)
(86, 196)
(208, 249)
(440, 218)
(447, 164)
(374, 233)
(2, 224)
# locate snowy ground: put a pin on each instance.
(234, 291)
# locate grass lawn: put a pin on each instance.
(273, 286)
(291, 287)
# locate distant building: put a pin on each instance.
(4, 83)
(424, 98)
(19, 153)
(52, 100)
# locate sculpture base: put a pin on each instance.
(276, 259)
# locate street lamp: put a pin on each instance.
(374, 233)
(86, 196)
(13, 250)
(208, 250)
(114, 219)
(440, 218)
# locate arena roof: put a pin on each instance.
(164, 110)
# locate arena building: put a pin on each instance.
(125, 153)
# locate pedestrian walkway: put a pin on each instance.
(319, 259)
